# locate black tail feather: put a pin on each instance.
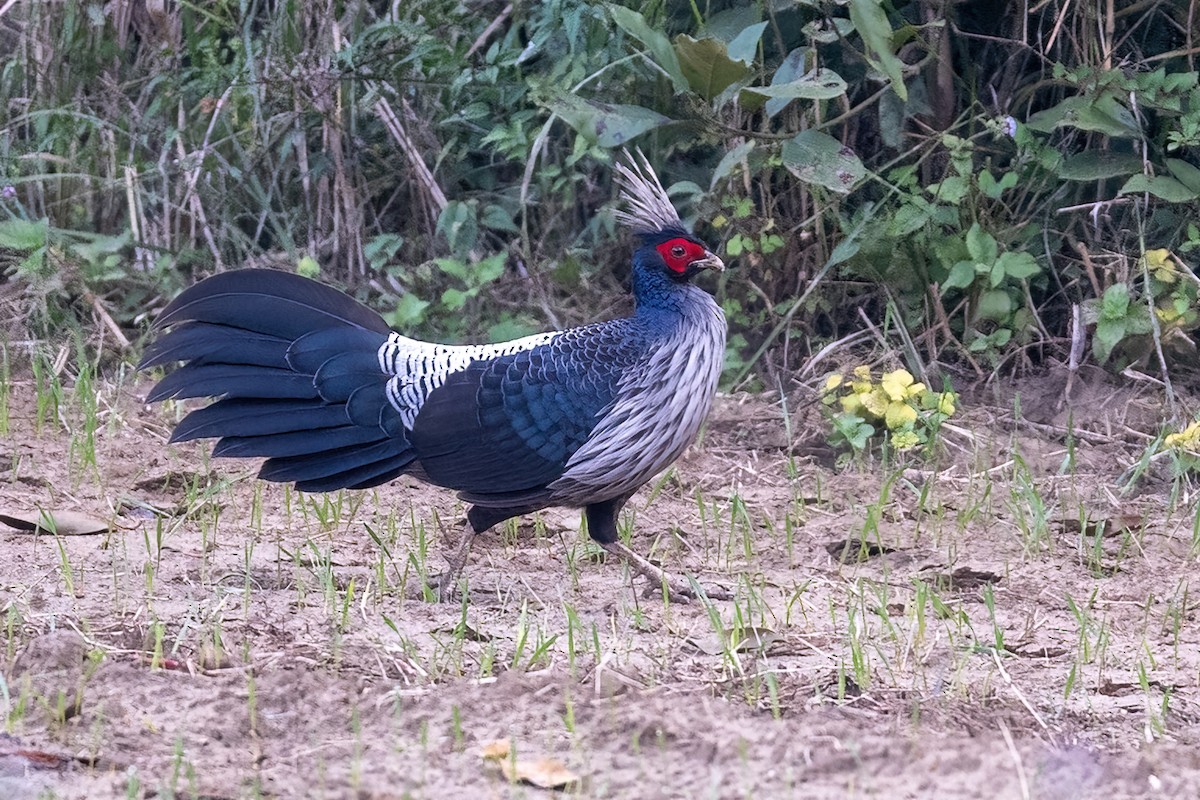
(290, 358)
(257, 417)
(202, 343)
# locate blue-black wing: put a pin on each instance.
(501, 430)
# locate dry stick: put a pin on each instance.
(1016, 757)
(1008, 681)
(424, 176)
(489, 30)
(107, 319)
(1078, 339)
(190, 197)
(1086, 257)
(943, 322)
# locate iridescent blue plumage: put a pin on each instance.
(320, 387)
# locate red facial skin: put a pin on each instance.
(679, 253)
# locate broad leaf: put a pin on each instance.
(981, 245)
(707, 66)
(1094, 165)
(656, 42)
(961, 276)
(744, 46)
(1160, 186)
(730, 160)
(1185, 173)
(871, 22)
(1019, 265)
(607, 124)
(816, 157)
(1104, 115)
(22, 234)
(994, 304)
(823, 84)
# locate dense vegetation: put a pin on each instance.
(972, 186)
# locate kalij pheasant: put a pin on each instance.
(332, 398)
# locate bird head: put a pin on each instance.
(682, 254)
(654, 220)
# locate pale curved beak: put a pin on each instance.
(709, 261)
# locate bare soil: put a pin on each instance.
(1005, 623)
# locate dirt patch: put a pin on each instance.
(1007, 625)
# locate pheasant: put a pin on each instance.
(332, 398)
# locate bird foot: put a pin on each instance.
(678, 589)
(444, 587)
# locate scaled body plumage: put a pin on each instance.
(320, 386)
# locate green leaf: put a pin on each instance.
(871, 22)
(1018, 265)
(961, 276)
(909, 217)
(489, 269)
(1109, 334)
(981, 245)
(821, 31)
(607, 124)
(497, 218)
(452, 267)
(816, 157)
(656, 42)
(1185, 173)
(409, 311)
(789, 70)
(1115, 303)
(382, 248)
(822, 84)
(457, 223)
(23, 234)
(994, 304)
(730, 160)
(726, 25)
(455, 299)
(1095, 165)
(735, 246)
(744, 46)
(707, 66)
(1104, 115)
(1160, 186)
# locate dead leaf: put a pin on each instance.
(962, 578)
(855, 549)
(61, 523)
(742, 640)
(1108, 526)
(496, 750)
(544, 773)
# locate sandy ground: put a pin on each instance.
(1005, 625)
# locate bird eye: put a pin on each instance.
(677, 251)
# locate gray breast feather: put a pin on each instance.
(417, 368)
(660, 408)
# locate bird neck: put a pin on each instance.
(654, 290)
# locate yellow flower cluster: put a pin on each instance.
(1186, 439)
(896, 399)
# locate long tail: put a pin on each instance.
(296, 367)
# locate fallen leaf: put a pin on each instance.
(544, 773)
(496, 750)
(745, 639)
(62, 523)
(856, 549)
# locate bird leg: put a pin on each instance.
(445, 585)
(678, 588)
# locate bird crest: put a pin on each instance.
(650, 209)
